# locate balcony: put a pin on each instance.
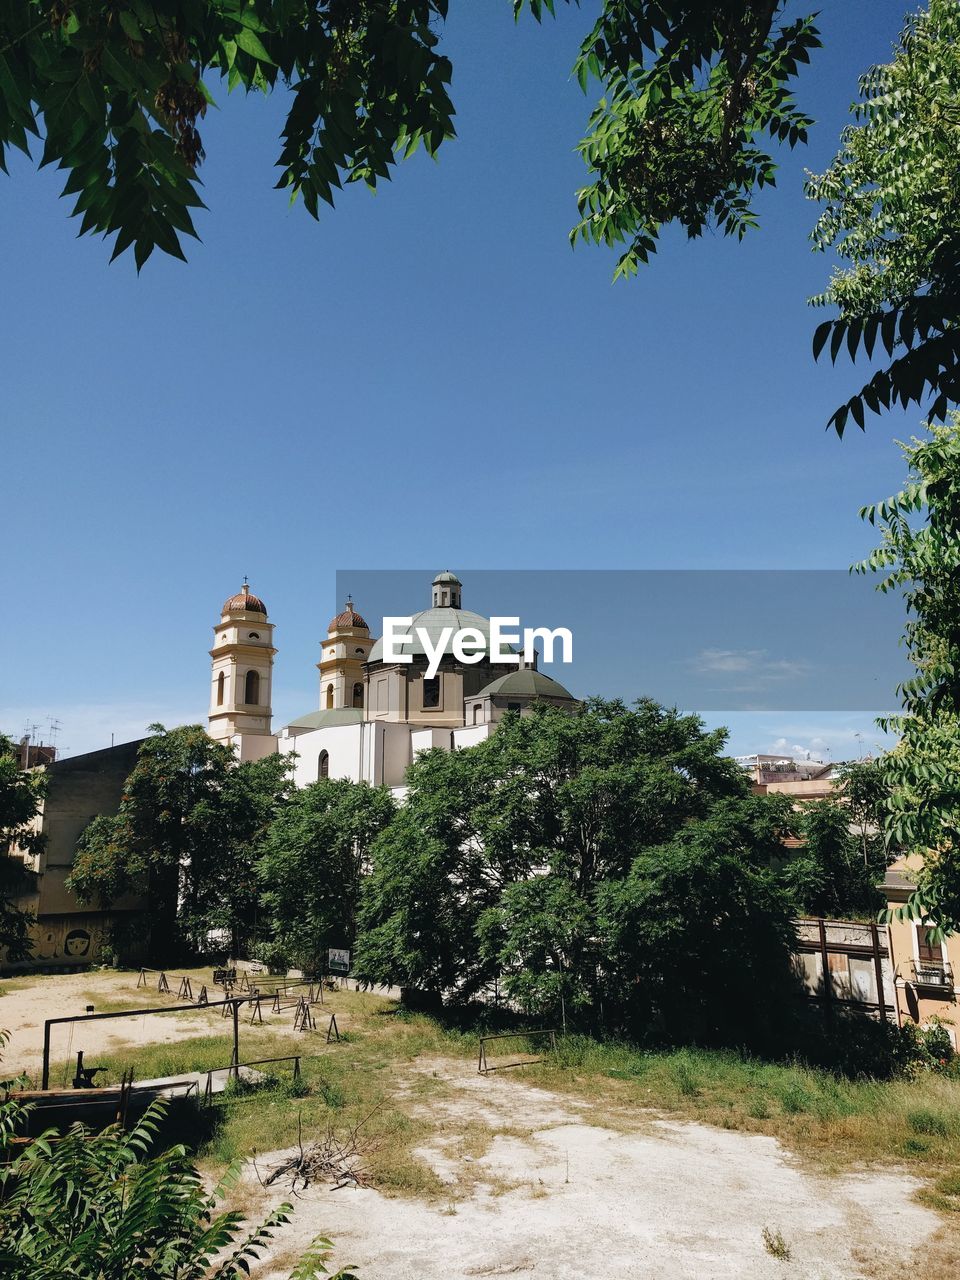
(932, 973)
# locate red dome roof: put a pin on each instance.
(245, 599)
(349, 618)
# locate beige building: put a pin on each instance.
(924, 969)
(79, 788)
(785, 775)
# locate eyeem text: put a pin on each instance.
(469, 644)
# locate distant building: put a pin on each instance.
(79, 788)
(785, 775)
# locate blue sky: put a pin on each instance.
(429, 375)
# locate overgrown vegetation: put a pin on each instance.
(106, 1205)
(21, 795)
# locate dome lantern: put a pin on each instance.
(446, 590)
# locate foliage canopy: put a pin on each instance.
(529, 863)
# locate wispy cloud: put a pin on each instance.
(760, 669)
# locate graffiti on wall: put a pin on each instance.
(62, 940)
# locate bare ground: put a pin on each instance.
(559, 1193)
(27, 1002)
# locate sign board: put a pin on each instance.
(338, 960)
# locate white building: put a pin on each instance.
(373, 715)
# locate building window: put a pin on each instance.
(513, 706)
(431, 692)
(251, 689)
(221, 681)
(329, 697)
(358, 694)
(928, 953)
(323, 765)
(477, 711)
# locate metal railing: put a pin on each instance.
(932, 973)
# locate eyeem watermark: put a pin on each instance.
(470, 645)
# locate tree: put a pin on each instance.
(697, 937)
(21, 797)
(839, 866)
(922, 773)
(494, 869)
(186, 833)
(314, 854)
(101, 1205)
(891, 212)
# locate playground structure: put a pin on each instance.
(301, 996)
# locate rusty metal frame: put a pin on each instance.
(483, 1065)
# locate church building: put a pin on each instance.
(373, 715)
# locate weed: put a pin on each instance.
(685, 1079)
(775, 1245)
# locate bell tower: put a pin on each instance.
(242, 675)
(342, 655)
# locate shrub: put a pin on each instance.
(99, 1204)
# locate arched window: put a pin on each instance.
(221, 681)
(329, 697)
(251, 689)
(323, 765)
(358, 694)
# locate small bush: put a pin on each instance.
(795, 1099)
(932, 1124)
(775, 1244)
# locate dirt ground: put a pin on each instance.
(561, 1195)
(541, 1186)
(27, 1002)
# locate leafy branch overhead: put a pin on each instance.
(891, 211)
(116, 94)
(690, 90)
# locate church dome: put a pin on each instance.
(526, 683)
(349, 618)
(245, 600)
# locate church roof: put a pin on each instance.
(525, 683)
(447, 576)
(349, 618)
(433, 622)
(244, 599)
(328, 719)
